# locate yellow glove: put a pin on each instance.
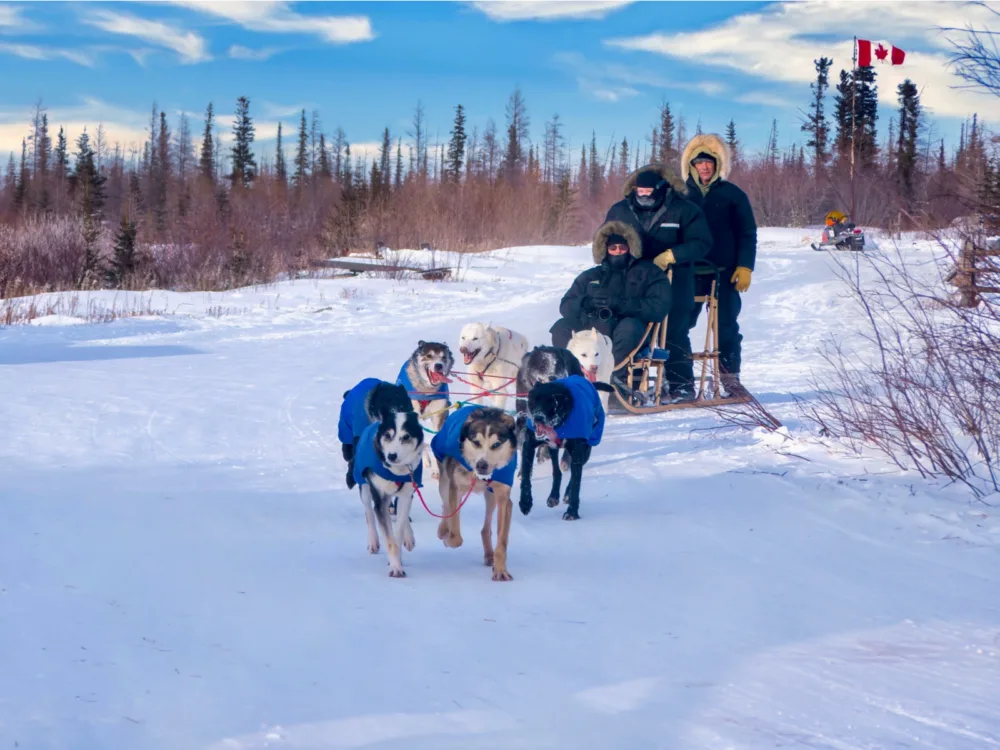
(741, 278)
(664, 259)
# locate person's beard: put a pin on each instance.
(645, 201)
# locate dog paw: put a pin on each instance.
(571, 515)
(501, 574)
(408, 541)
(435, 474)
(373, 546)
(453, 540)
(553, 501)
(566, 499)
(488, 561)
(564, 465)
(443, 530)
(396, 573)
(525, 505)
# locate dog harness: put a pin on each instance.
(367, 459)
(353, 417)
(425, 396)
(448, 442)
(586, 418)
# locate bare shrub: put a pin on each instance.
(926, 390)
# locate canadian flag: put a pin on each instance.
(865, 52)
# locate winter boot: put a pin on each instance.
(678, 395)
(731, 384)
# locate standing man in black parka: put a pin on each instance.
(674, 236)
(705, 164)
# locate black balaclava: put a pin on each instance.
(649, 179)
(617, 261)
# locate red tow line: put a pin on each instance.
(454, 512)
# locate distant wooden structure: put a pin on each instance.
(355, 267)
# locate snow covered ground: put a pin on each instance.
(181, 566)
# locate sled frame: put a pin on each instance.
(651, 370)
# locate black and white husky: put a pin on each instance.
(426, 375)
(387, 465)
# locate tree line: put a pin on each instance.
(185, 212)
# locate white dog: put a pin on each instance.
(593, 349)
(493, 355)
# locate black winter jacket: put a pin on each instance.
(731, 221)
(677, 224)
(640, 290)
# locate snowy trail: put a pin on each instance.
(181, 565)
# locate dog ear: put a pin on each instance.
(420, 343)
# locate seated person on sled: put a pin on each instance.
(618, 296)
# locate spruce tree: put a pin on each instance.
(162, 176)
(596, 176)
(867, 116)
(666, 151)
(398, 183)
(21, 189)
(280, 171)
(88, 187)
(942, 163)
(122, 266)
(816, 124)
(61, 156)
(302, 154)
(731, 140)
(583, 176)
(206, 162)
(385, 160)
(909, 127)
(244, 165)
(842, 117)
(325, 170)
(456, 147)
(517, 134)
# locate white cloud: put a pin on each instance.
(780, 43)
(611, 81)
(33, 52)
(126, 127)
(765, 98)
(609, 95)
(11, 20)
(548, 10)
(191, 47)
(239, 52)
(278, 17)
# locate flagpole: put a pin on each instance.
(854, 89)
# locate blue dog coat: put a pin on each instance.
(367, 458)
(422, 396)
(586, 420)
(353, 417)
(448, 443)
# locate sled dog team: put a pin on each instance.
(561, 398)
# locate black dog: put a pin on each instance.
(565, 413)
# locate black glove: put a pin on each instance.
(597, 298)
(626, 308)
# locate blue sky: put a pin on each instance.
(603, 67)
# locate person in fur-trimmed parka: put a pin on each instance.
(705, 165)
(618, 296)
(674, 236)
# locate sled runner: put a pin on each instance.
(355, 267)
(645, 368)
(840, 233)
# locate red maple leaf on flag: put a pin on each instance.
(881, 52)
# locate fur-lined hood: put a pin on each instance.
(712, 144)
(600, 246)
(665, 171)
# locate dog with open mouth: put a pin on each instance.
(387, 464)
(543, 364)
(426, 375)
(477, 450)
(567, 414)
(493, 355)
(593, 349)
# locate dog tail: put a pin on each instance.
(604, 387)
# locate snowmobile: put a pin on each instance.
(840, 234)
